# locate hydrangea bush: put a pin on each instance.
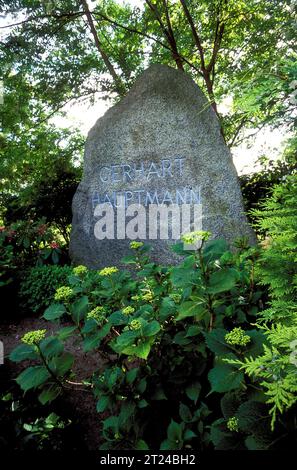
(174, 340)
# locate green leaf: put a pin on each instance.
(49, 393)
(141, 445)
(118, 318)
(229, 404)
(224, 377)
(252, 443)
(55, 257)
(151, 328)
(104, 331)
(141, 386)
(142, 403)
(223, 280)
(61, 364)
(167, 308)
(112, 377)
(185, 413)
(255, 347)
(102, 403)
(89, 326)
(175, 431)
(214, 249)
(32, 377)
(193, 330)
(65, 333)
(215, 341)
(131, 375)
(22, 352)
(127, 410)
(79, 309)
(125, 339)
(251, 416)
(218, 431)
(141, 350)
(111, 423)
(93, 341)
(129, 259)
(191, 309)
(51, 346)
(54, 311)
(169, 445)
(189, 435)
(181, 338)
(183, 276)
(178, 248)
(193, 391)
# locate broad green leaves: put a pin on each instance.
(79, 309)
(54, 311)
(214, 249)
(193, 391)
(174, 437)
(215, 340)
(49, 393)
(50, 347)
(23, 352)
(93, 340)
(184, 275)
(102, 403)
(151, 328)
(167, 337)
(141, 350)
(32, 377)
(191, 309)
(223, 280)
(167, 308)
(66, 332)
(62, 364)
(224, 378)
(137, 342)
(185, 413)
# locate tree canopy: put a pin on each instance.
(53, 52)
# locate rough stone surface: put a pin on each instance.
(165, 124)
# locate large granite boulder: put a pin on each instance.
(161, 144)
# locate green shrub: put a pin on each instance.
(187, 365)
(7, 266)
(161, 334)
(30, 243)
(39, 284)
(257, 187)
(276, 369)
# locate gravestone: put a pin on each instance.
(159, 146)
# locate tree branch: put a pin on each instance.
(220, 27)
(194, 33)
(119, 86)
(177, 57)
(168, 33)
(237, 130)
(216, 48)
(145, 35)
